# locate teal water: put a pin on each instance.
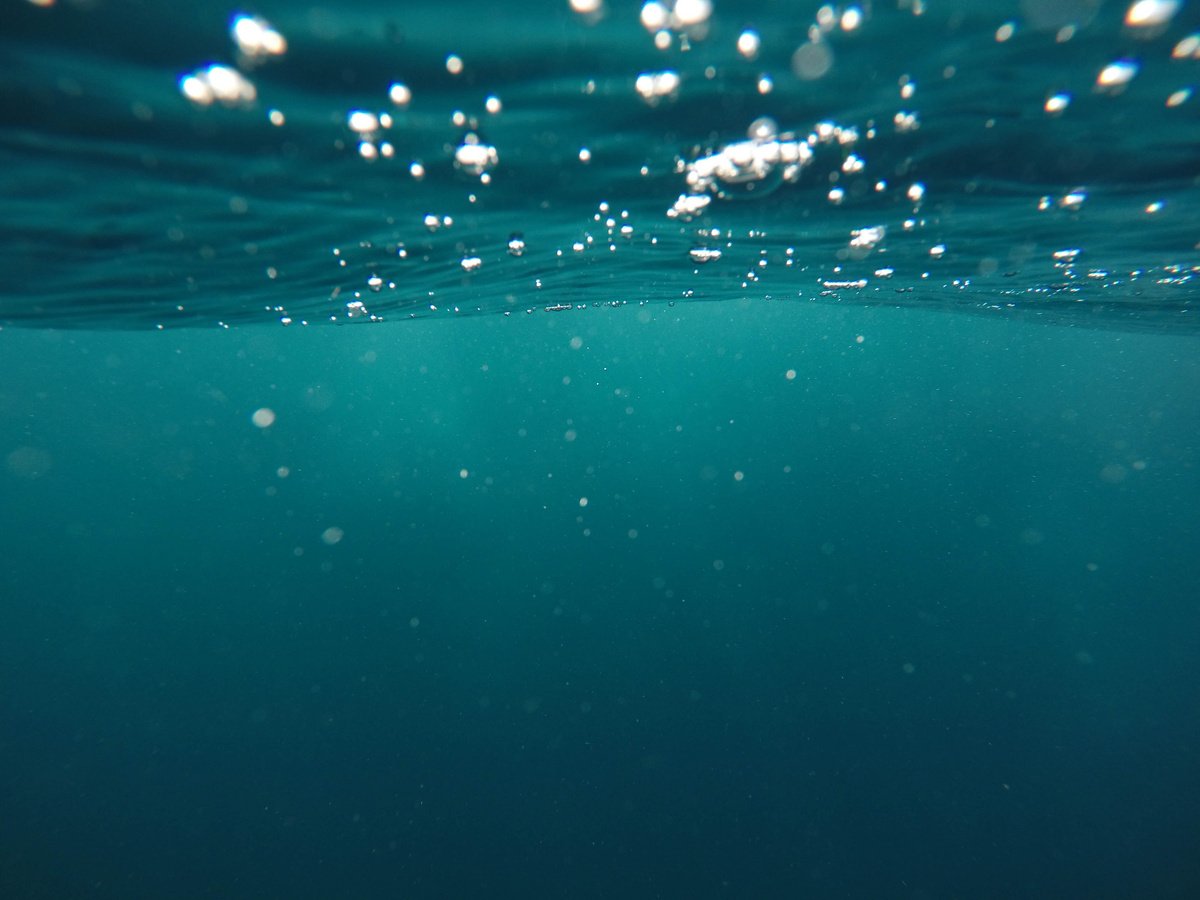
(622, 572)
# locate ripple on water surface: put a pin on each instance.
(363, 164)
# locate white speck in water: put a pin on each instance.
(748, 44)
(1057, 103)
(1116, 76)
(400, 94)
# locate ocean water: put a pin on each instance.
(542, 449)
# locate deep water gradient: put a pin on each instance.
(939, 640)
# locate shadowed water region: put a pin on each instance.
(690, 544)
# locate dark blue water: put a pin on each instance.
(683, 548)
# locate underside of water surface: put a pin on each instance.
(165, 166)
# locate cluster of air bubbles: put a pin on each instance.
(256, 41)
(476, 157)
(864, 240)
(832, 158)
(654, 87)
(592, 11)
(755, 165)
(1071, 201)
(368, 128)
(689, 206)
(218, 84)
(689, 19)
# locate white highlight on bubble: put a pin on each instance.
(362, 122)
(1116, 75)
(400, 94)
(220, 84)
(654, 86)
(1188, 48)
(867, 238)
(688, 206)
(264, 417)
(655, 16)
(1073, 200)
(1179, 97)
(1057, 103)
(1149, 13)
(256, 39)
(748, 44)
(689, 13)
(475, 157)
